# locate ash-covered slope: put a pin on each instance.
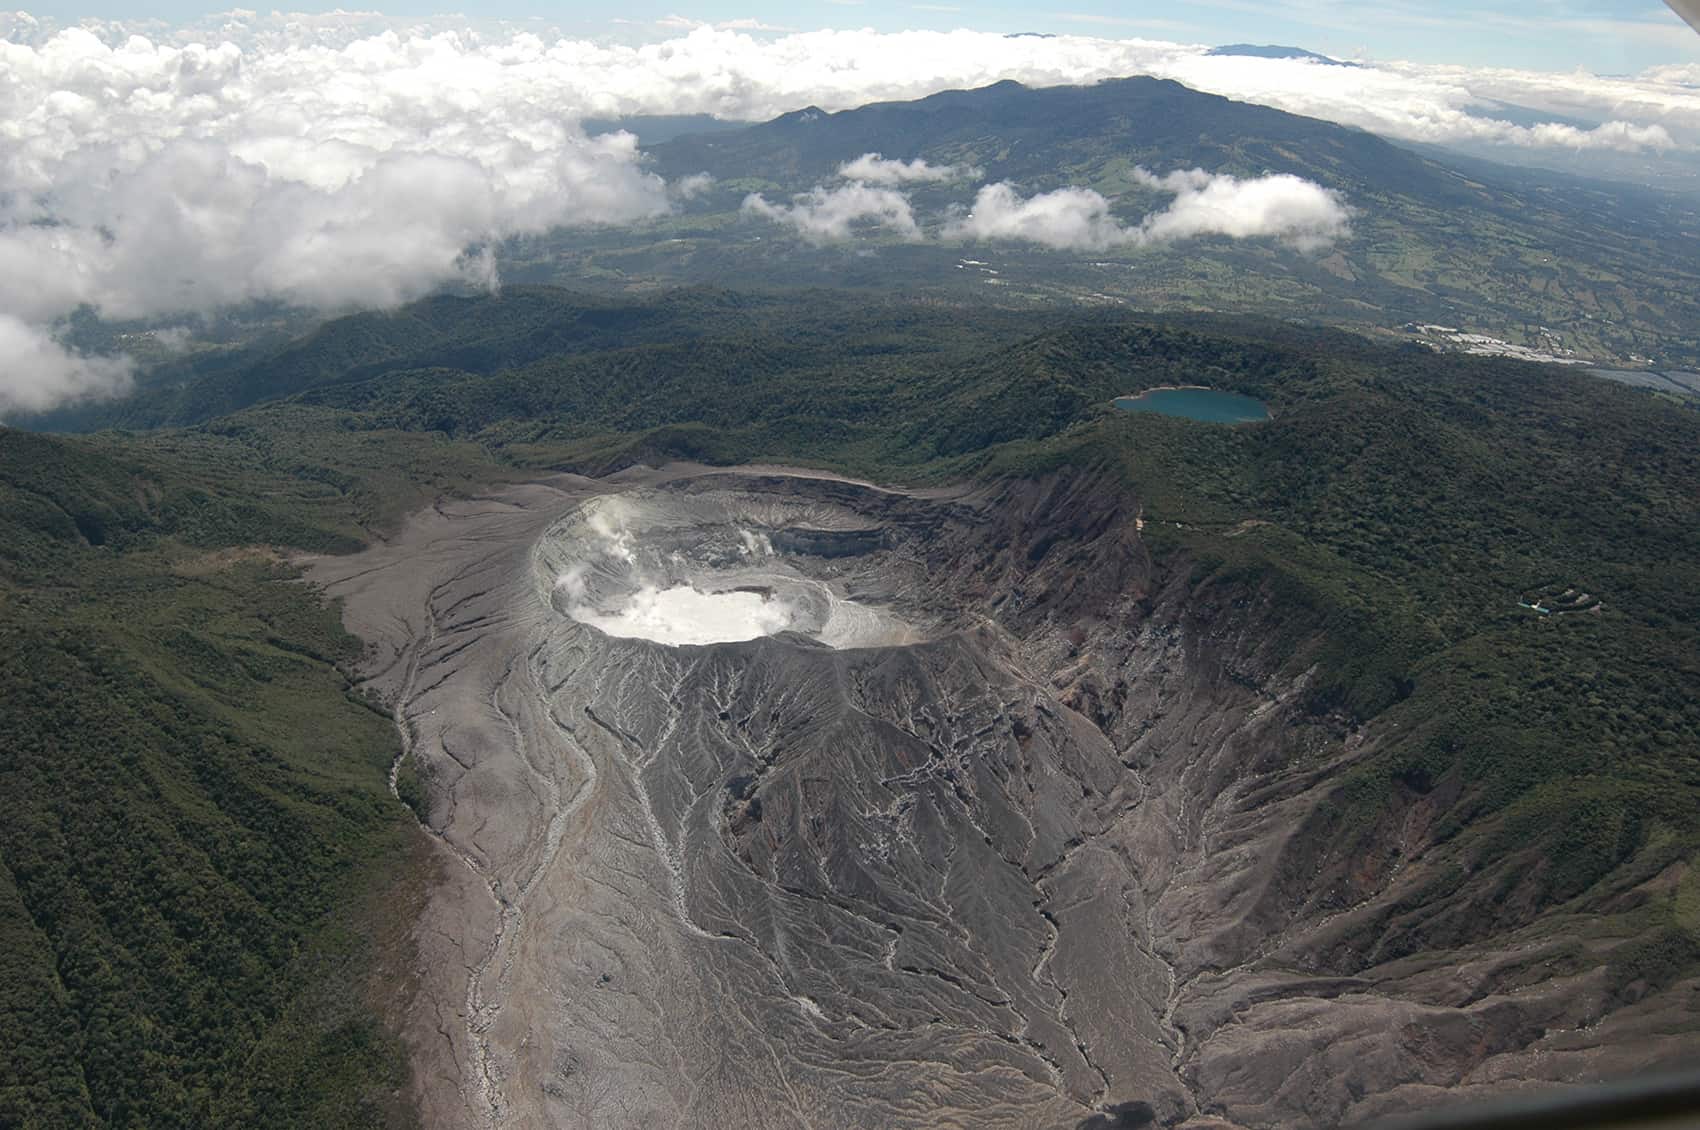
(1038, 839)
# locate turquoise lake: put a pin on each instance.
(1210, 405)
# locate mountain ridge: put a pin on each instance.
(1538, 258)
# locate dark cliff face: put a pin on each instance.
(1085, 853)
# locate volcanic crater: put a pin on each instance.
(767, 799)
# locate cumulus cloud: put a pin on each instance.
(1297, 212)
(733, 74)
(876, 169)
(1675, 74)
(145, 180)
(1074, 218)
(1621, 136)
(1281, 206)
(342, 159)
(823, 215)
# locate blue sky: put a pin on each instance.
(1604, 36)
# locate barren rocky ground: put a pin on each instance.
(770, 799)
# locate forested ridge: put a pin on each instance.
(196, 839)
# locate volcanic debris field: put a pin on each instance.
(769, 799)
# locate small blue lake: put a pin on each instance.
(1208, 404)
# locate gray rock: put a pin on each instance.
(1000, 826)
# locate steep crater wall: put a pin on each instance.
(965, 809)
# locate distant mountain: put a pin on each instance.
(1049, 136)
(1608, 271)
(1273, 51)
(1528, 116)
(653, 129)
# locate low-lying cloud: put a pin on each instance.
(877, 169)
(833, 214)
(343, 160)
(1280, 206)
(1073, 218)
(37, 373)
(1446, 105)
(1287, 208)
(1297, 212)
(151, 180)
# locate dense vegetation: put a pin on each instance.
(195, 834)
(172, 839)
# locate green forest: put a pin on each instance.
(197, 846)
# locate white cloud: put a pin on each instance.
(1280, 206)
(1446, 105)
(822, 215)
(1675, 74)
(39, 373)
(343, 159)
(148, 179)
(1621, 136)
(1283, 207)
(720, 70)
(1074, 218)
(876, 169)
(685, 188)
